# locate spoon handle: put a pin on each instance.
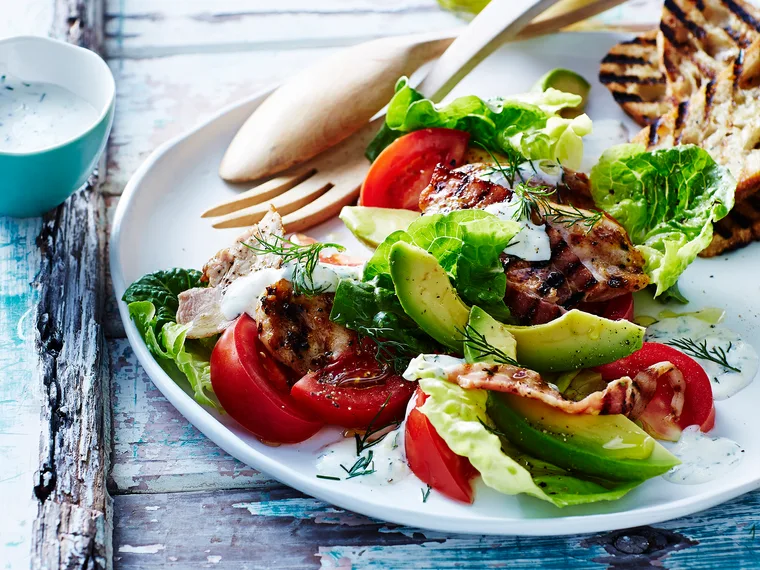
(499, 22)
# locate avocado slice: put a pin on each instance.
(569, 82)
(372, 225)
(575, 340)
(493, 332)
(427, 296)
(608, 447)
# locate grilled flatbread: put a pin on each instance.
(708, 53)
(631, 71)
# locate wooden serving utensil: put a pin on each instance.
(274, 140)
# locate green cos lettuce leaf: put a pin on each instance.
(181, 358)
(667, 201)
(525, 125)
(460, 418)
(162, 288)
(467, 244)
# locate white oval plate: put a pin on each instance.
(157, 226)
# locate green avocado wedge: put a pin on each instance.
(575, 340)
(372, 225)
(427, 296)
(569, 82)
(485, 327)
(607, 447)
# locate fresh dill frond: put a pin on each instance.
(425, 494)
(571, 216)
(329, 477)
(485, 349)
(716, 354)
(304, 260)
(390, 353)
(365, 441)
(512, 170)
(362, 466)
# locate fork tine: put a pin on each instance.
(259, 194)
(323, 208)
(285, 203)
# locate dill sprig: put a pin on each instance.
(304, 259)
(362, 466)
(536, 199)
(485, 349)
(716, 354)
(425, 494)
(390, 353)
(365, 441)
(512, 170)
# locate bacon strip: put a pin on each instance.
(622, 396)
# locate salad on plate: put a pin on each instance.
(489, 328)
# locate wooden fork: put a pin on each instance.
(316, 190)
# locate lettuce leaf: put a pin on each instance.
(162, 288)
(369, 307)
(667, 201)
(459, 416)
(181, 358)
(467, 244)
(524, 125)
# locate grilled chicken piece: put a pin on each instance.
(631, 71)
(202, 306)
(585, 266)
(297, 329)
(623, 396)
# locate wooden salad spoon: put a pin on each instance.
(298, 122)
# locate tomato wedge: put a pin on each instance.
(253, 388)
(698, 408)
(432, 461)
(615, 309)
(354, 391)
(400, 173)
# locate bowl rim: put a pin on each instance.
(108, 78)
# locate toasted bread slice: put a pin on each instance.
(631, 72)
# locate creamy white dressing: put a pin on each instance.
(388, 461)
(243, 294)
(725, 382)
(605, 134)
(35, 116)
(532, 242)
(432, 366)
(703, 458)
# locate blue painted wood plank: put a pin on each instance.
(20, 398)
(281, 528)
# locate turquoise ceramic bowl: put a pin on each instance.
(33, 182)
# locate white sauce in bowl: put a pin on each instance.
(703, 458)
(35, 116)
(739, 355)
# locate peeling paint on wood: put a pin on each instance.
(238, 526)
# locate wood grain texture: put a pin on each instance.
(138, 28)
(73, 529)
(155, 449)
(236, 529)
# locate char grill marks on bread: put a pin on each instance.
(585, 266)
(702, 87)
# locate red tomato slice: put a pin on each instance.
(432, 460)
(698, 406)
(253, 388)
(399, 175)
(615, 309)
(352, 392)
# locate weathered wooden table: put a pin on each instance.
(96, 467)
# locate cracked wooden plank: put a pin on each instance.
(145, 28)
(234, 530)
(155, 449)
(72, 528)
